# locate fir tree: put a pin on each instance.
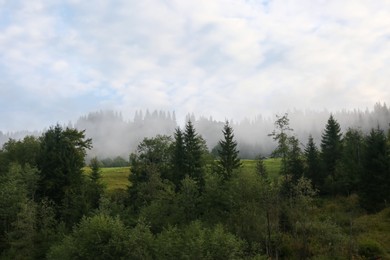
(193, 165)
(312, 169)
(331, 147)
(375, 179)
(178, 158)
(228, 153)
(294, 159)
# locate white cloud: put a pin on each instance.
(228, 59)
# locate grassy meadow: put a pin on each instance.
(117, 177)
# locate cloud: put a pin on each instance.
(227, 59)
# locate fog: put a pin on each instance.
(112, 135)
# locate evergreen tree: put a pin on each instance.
(95, 170)
(261, 170)
(294, 159)
(331, 148)
(228, 153)
(60, 163)
(193, 164)
(312, 169)
(178, 159)
(350, 166)
(375, 179)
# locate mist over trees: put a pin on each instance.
(113, 135)
(183, 203)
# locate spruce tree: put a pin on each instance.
(350, 166)
(294, 159)
(374, 188)
(228, 153)
(331, 147)
(193, 165)
(178, 158)
(312, 169)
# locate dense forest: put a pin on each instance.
(114, 136)
(329, 199)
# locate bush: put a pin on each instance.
(370, 249)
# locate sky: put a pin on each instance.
(229, 59)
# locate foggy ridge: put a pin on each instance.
(113, 136)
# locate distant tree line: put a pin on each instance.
(115, 136)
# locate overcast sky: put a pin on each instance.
(222, 58)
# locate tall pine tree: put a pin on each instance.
(178, 158)
(375, 178)
(331, 148)
(193, 165)
(312, 169)
(228, 153)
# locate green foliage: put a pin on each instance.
(350, 165)
(295, 165)
(193, 155)
(196, 241)
(374, 189)
(370, 249)
(60, 163)
(97, 237)
(22, 237)
(261, 170)
(312, 167)
(331, 148)
(178, 159)
(153, 155)
(282, 125)
(23, 152)
(228, 153)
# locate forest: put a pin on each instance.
(186, 199)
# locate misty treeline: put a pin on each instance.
(114, 137)
(184, 203)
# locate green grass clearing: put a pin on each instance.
(117, 177)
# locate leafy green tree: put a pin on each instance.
(196, 241)
(61, 175)
(22, 237)
(374, 188)
(228, 153)
(331, 148)
(312, 166)
(193, 161)
(153, 155)
(23, 152)
(13, 194)
(280, 134)
(97, 237)
(61, 161)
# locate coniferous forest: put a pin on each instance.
(328, 199)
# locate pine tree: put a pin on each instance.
(350, 166)
(193, 165)
(374, 188)
(178, 158)
(261, 170)
(228, 153)
(331, 147)
(95, 167)
(312, 169)
(294, 159)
